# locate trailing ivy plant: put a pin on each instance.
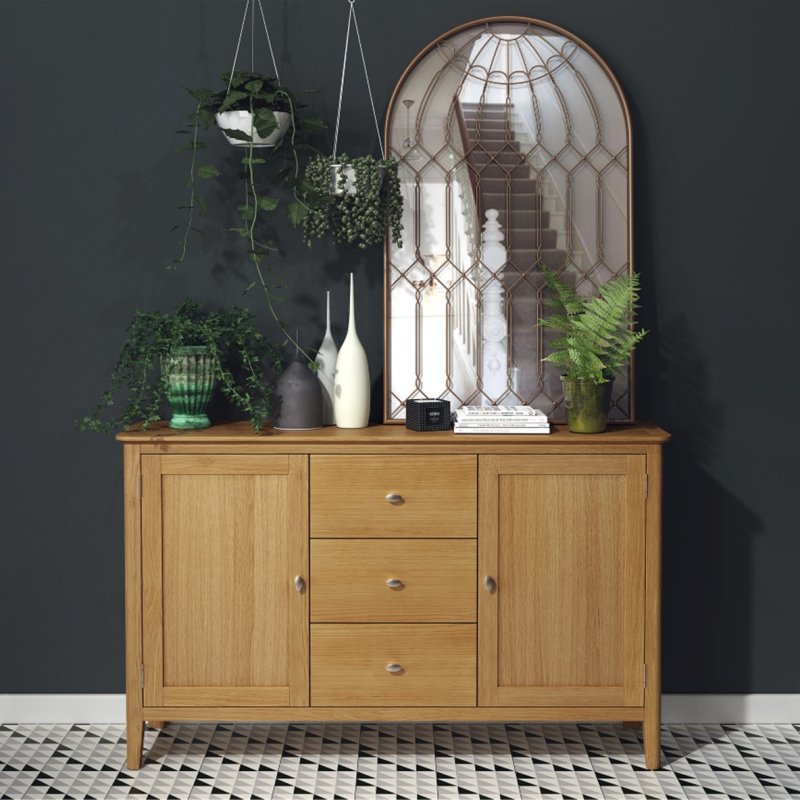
(368, 203)
(264, 169)
(597, 336)
(244, 364)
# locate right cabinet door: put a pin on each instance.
(561, 563)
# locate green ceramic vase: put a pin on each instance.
(587, 404)
(191, 381)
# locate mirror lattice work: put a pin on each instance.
(519, 117)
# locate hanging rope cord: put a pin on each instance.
(352, 21)
(250, 5)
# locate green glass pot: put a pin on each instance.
(587, 404)
(191, 381)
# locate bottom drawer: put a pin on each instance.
(393, 665)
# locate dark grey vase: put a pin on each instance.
(299, 398)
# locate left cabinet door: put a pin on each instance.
(223, 539)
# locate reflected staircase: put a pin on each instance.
(503, 179)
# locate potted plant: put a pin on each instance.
(253, 108)
(180, 357)
(596, 339)
(253, 111)
(354, 199)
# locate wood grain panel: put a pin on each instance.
(348, 580)
(402, 713)
(348, 665)
(348, 495)
(133, 606)
(564, 542)
(652, 694)
(375, 437)
(223, 550)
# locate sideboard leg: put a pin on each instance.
(156, 723)
(135, 741)
(651, 729)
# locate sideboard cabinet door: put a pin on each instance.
(223, 538)
(561, 565)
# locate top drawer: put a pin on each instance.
(385, 495)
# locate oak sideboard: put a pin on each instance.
(383, 574)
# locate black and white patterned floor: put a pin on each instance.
(414, 761)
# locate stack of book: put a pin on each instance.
(500, 419)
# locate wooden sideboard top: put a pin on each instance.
(393, 435)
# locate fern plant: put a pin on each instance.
(597, 335)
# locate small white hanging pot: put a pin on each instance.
(348, 185)
(243, 121)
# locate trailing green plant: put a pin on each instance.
(597, 335)
(368, 203)
(264, 169)
(277, 166)
(244, 363)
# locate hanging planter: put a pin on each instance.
(244, 122)
(253, 109)
(355, 200)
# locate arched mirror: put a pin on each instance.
(519, 117)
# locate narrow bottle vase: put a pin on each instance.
(326, 358)
(351, 381)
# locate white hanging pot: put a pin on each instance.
(349, 178)
(349, 186)
(243, 121)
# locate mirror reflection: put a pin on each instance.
(512, 140)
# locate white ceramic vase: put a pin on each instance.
(351, 382)
(326, 358)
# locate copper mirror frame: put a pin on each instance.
(518, 116)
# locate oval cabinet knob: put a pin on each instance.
(394, 668)
(490, 584)
(299, 583)
(395, 499)
(394, 583)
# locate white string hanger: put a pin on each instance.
(250, 5)
(352, 20)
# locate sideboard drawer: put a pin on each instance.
(393, 580)
(406, 495)
(393, 665)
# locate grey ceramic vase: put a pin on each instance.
(299, 398)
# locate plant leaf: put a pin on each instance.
(296, 212)
(231, 99)
(268, 203)
(207, 171)
(312, 124)
(234, 134)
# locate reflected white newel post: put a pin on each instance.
(494, 328)
(351, 382)
(326, 358)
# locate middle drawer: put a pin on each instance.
(393, 580)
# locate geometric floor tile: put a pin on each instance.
(411, 761)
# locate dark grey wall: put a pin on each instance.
(92, 93)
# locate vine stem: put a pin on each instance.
(185, 240)
(254, 255)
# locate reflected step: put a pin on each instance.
(532, 238)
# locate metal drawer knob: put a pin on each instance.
(395, 499)
(299, 583)
(490, 584)
(395, 669)
(394, 583)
